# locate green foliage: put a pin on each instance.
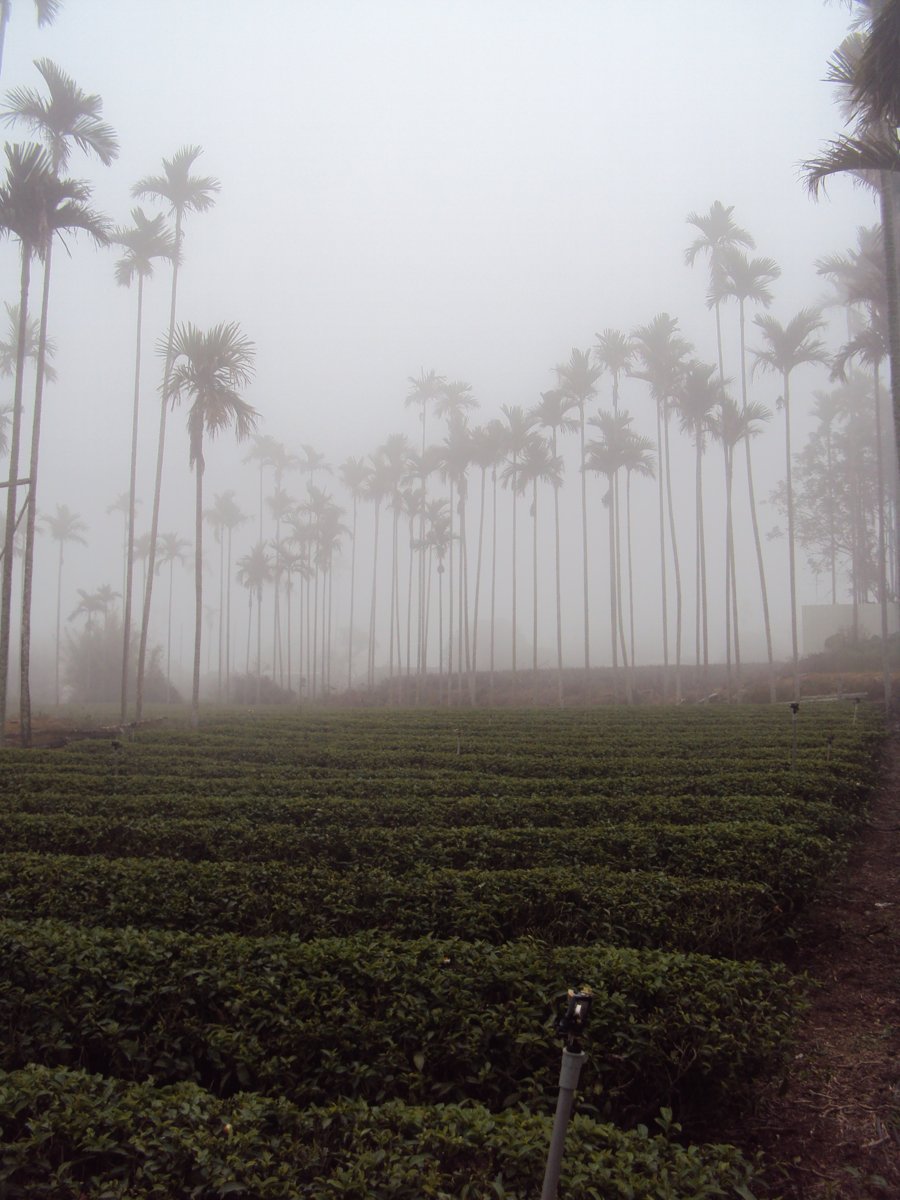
(632, 908)
(67, 1134)
(372, 1017)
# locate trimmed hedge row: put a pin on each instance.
(67, 1134)
(404, 812)
(563, 907)
(371, 1017)
(786, 858)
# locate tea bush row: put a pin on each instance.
(375, 1018)
(561, 906)
(402, 812)
(789, 859)
(67, 1134)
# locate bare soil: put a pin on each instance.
(832, 1130)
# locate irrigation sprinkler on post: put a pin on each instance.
(570, 1026)
(795, 708)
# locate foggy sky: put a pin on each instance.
(472, 186)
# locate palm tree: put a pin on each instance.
(280, 505)
(661, 353)
(63, 526)
(577, 381)
(9, 345)
(788, 347)
(518, 433)
(388, 468)
(171, 551)
(638, 458)
(487, 443)
(614, 353)
(34, 205)
(184, 193)
(539, 465)
(696, 401)
(426, 388)
(864, 66)
(718, 234)
(46, 12)
(606, 455)
(254, 570)
(264, 450)
(354, 475)
(456, 458)
(730, 425)
(67, 116)
(148, 238)
(225, 516)
(744, 279)
(552, 414)
(208, 368)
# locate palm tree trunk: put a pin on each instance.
(675, 563)
(795, 656)
(228, 623)
(31, 515)
(514, 539)
(584, 558)
(169, 635)
(886, 194)
(450, 606)
(478, 558)
(534, 596)
(198, 585)
(493, 574)
(157, 489)
(728, 568)
(352, 596)
(58, 614)
(882, 546)
(132, 490)
(11, 493)
(754, 519)
(662, 547)
(559, 660)
(371, 674)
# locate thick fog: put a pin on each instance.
(465, 187)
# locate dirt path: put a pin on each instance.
(836, 1126)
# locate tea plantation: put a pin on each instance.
(320, 954)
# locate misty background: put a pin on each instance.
(470, 188)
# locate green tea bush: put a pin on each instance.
(67, 1135)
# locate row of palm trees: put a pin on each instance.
(209, 369)
(521, 452)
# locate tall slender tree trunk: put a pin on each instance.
(534, 596)
(130, 520)
(882, 545)
(371, 672)
(888, 224)
(754, 519)
(584, 556)
(352, 595)
(559, 659)
(198, 585)
(157, 489)
(493, 575)
(59, 570)
(792, 566)
(662, 546)
(31, 513)
(729, 540)
(12, 489)
(478, 559)
(675, 563)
